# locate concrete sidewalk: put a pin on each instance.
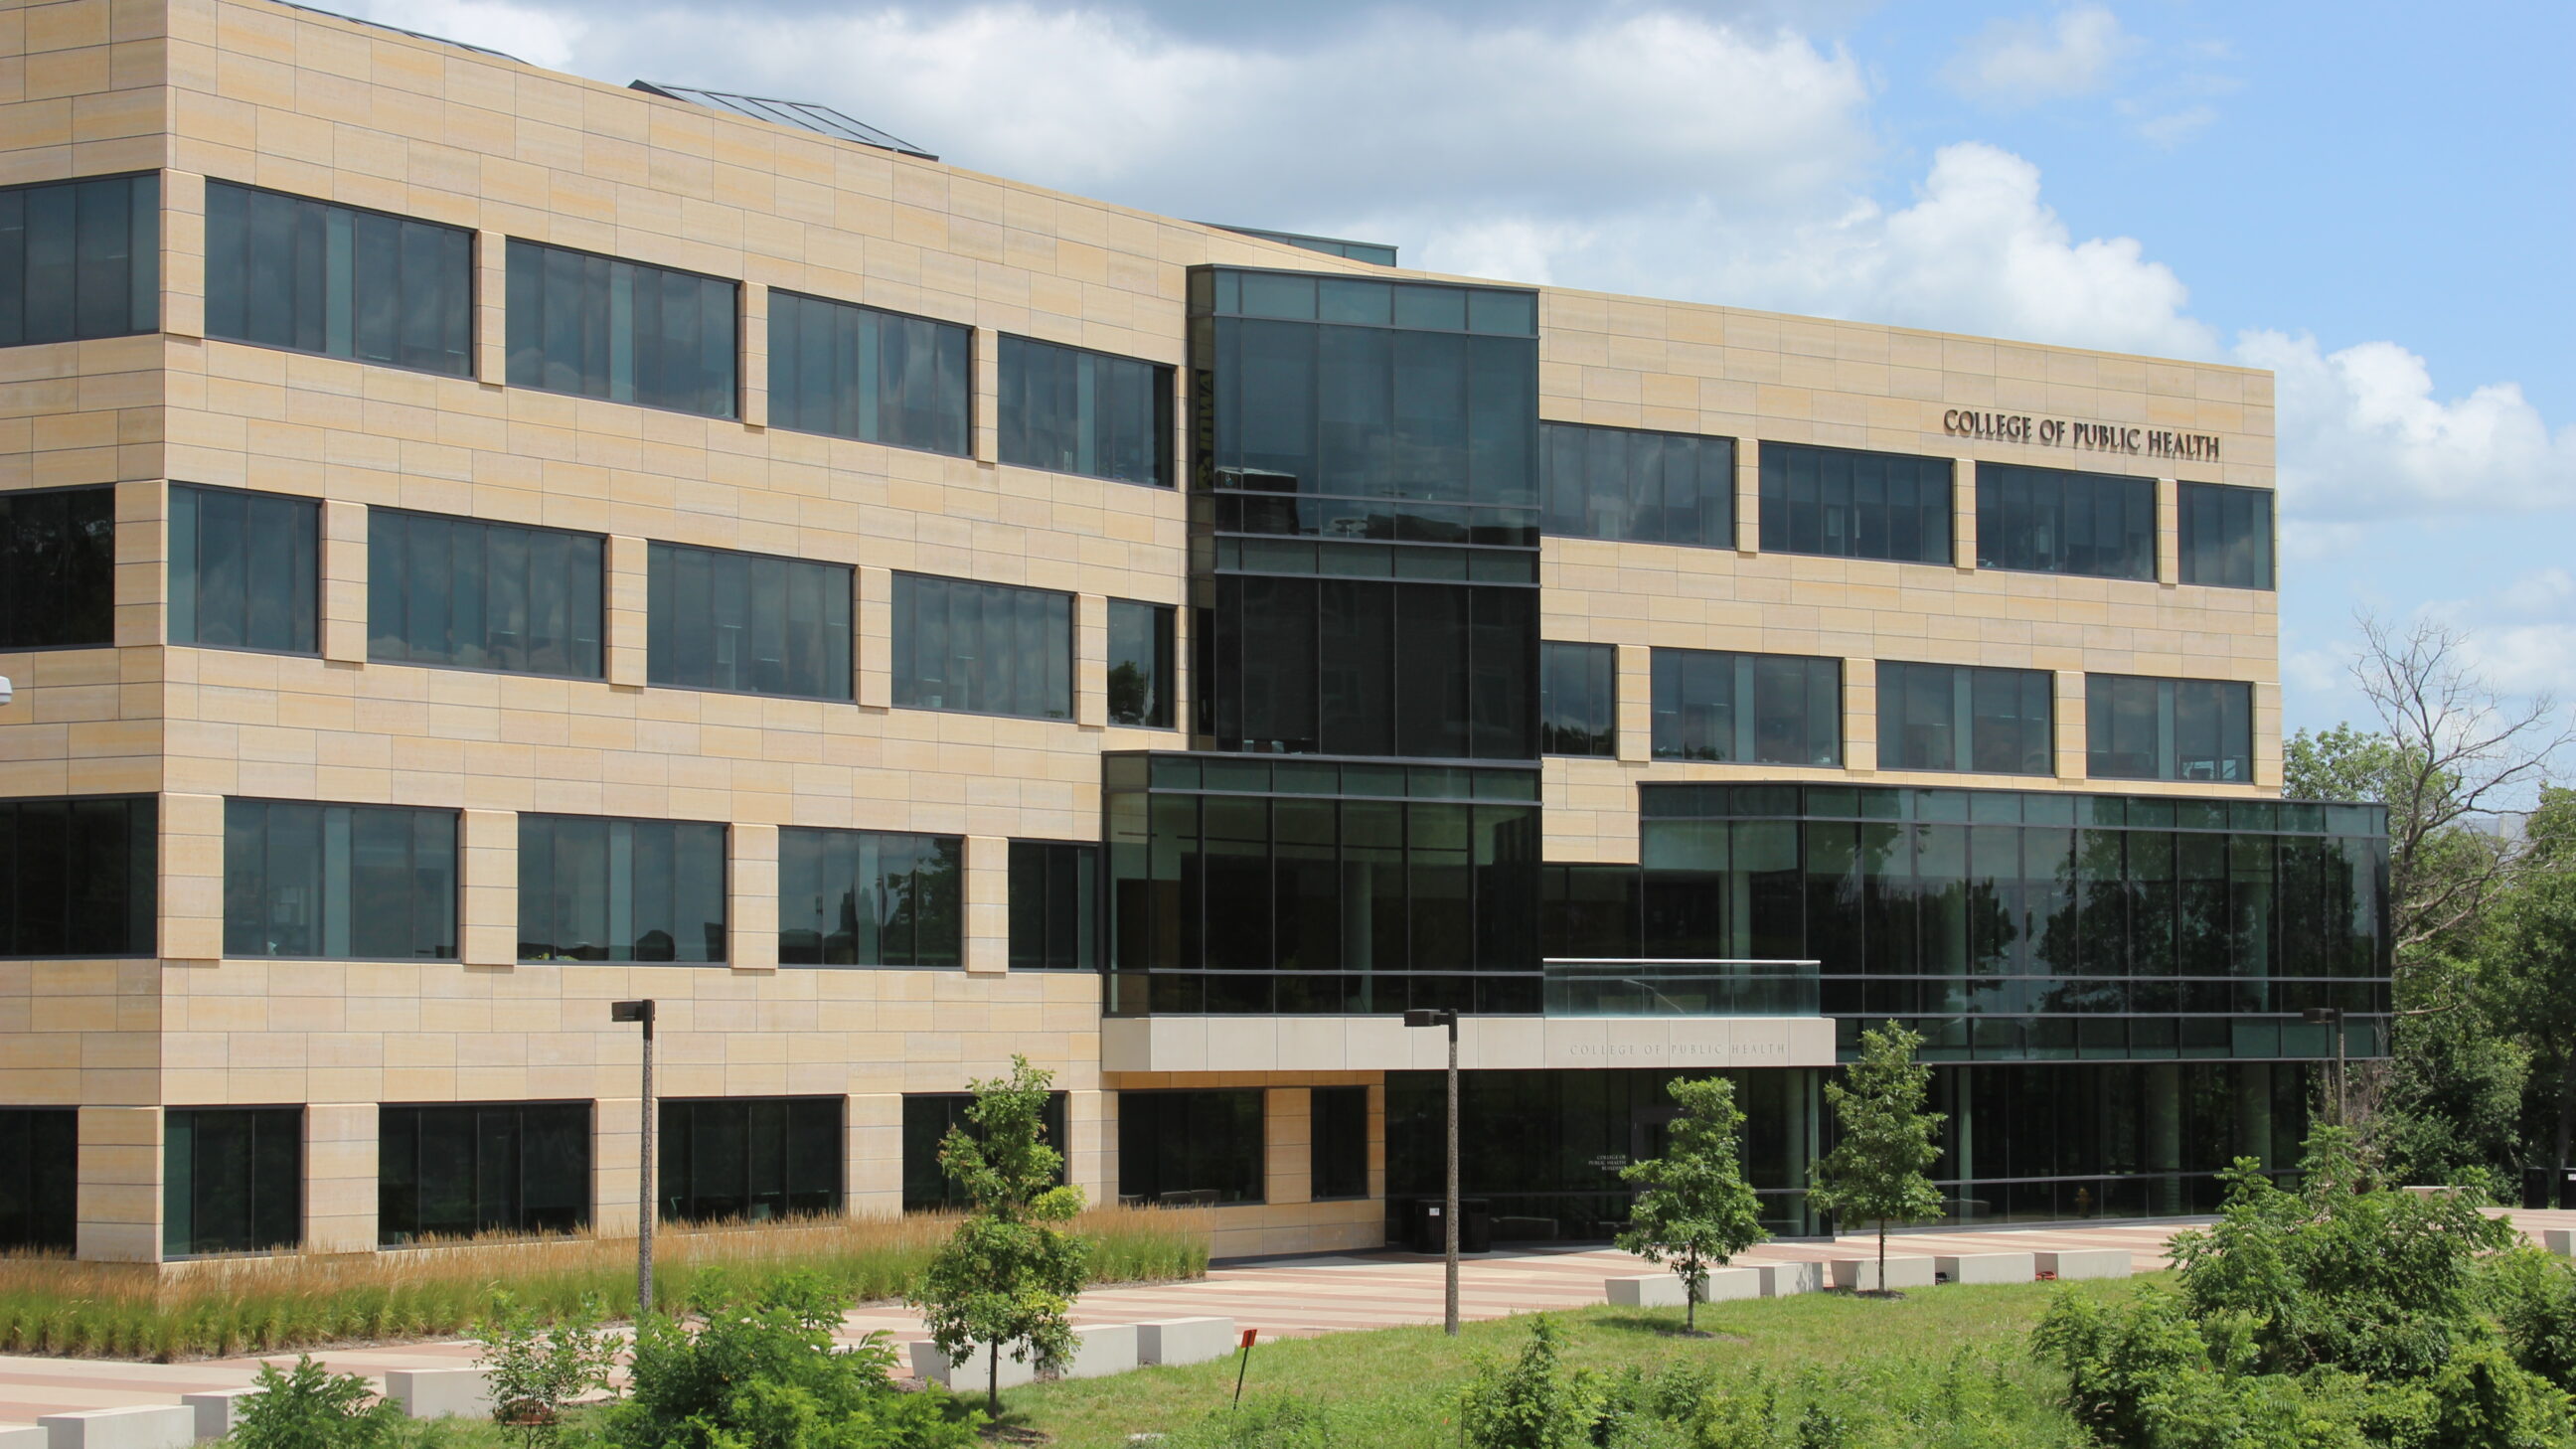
(1284, 1298)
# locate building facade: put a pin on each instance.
(477, 544)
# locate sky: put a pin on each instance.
(2377, 201)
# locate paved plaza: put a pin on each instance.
(1284, 1298)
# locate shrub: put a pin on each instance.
(2536, 1301)
(759, 1371)
(309, 1408)
(535, 1372)
(1533, 1403)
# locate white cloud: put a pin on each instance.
(539, 35)
(2363, 435)
(2175, 127)
(2016, 63)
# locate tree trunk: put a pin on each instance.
(993, 1381)
(1690, 1300)
(1882, 1255)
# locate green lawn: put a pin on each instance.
(1394, 1387)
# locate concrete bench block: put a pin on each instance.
(217, 1410)
(1781, 1280)
(933, 1367)
(2561, 1241)
(1661, 1291)
(1103, 1349)
(140, 1426)
(1988, 1267)
(1730, 1283)
(1861, 1274)
(1184, 1340)
(22, 1436)
(2077, 1263)
(441, 1393)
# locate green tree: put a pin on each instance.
(1876, 1172)
(1534, 1403)
(1695, 1208)
(2528, 966)
(307, 1407)
(537, 1371)
(1006, 1279)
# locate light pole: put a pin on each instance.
(2331, 1016)
(1441, 1016)
(642, 1012)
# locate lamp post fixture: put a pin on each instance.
(641, 1012)
(2331, 1016)
(1441, 1016)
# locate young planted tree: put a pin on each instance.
(1696, 1209)
(1006, 1279)
(1876, 1171)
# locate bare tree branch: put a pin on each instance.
(2464, 755)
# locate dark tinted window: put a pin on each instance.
(1953, 717)
(482, 595)
(982, 648)
(1140, 664)
(1072, 411)
(747, 622)
(1357, 667)
(77, 876)
(39, 1176)
(345, 882)
(283, 271)
(1770, 709)
(594, 889)
(1055, 906)
(624, 331)
(482, 1167)
(2226, 535)
(1190, 1148)
(2168, 729)
(856, 372)
(927, 1119)
(870, 898)
(2051, 521)
(751, 1158)
(232, 1179)
(58, 568)
(1341, 1142)
(1619, 483)
(1855, 505)
(80, 259)
(245, 570)
(1578, 712)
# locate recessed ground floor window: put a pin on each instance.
(39, 1161)
(232, 1179)
(749, 1158)
(927, 1117)
(480, 1167)
(1199, 1149)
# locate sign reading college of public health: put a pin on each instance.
(2090, 437)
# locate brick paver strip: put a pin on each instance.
(1284, 1298)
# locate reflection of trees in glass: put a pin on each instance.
(1131, 695)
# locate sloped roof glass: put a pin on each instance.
(803, 115)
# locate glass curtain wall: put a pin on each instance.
(2226, 535)
(879, 377)
(870, 898)
(80, 259)
(594, 889)
(599, 327)
(78, 876)
(58, 568)
(482, 1167)
(476, 595)
(2013, 926)
(285, 271)
(2053, 521)
(339, 882)
(1365, 516)
(1261, 887)
(245, 570)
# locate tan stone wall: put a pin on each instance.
(249, 92)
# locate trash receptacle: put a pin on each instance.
(1427, 1229)
(1475, 1226)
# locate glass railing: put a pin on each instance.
(1579, 987)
